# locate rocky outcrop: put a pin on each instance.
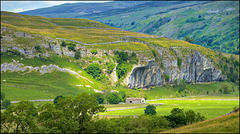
(19, 67)
(146, 76)
(194, 69)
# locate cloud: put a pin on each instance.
(20, 6)
(17, 10)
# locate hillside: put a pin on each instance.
(213, 24)
(225, 124)
(46, 57)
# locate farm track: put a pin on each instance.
(133, 107)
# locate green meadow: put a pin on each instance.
(209, 108)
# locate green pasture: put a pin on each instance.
(208, 108)
(32, 86)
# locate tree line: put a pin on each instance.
(79, 115)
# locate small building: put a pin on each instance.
(135, 101)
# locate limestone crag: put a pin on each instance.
(194, 69)
(19, 67)
(146, 76)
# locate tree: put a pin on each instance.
(56, 99)
(123, 95)
(177, 118)
(188, 39)
(225, 89)
(94, 51)
(80, 109)
(71, 47)
(77, 54)
(2, 96)
(100, 98)
(113, 98)
(19, 118)
(64, 44)
(6, 103)
(150, 110)
(55, 120)
(190, 116)
(94, 70)
(181, 86)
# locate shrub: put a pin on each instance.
(166, 77)
(6, 103)
(13, 52)
(71, 47)
(188, 39)
(64, 44)
(94, 51)
(179, 62)
(150, 110)
(122, 70)
(56, 99)
(154, 53)
(110, 68)
(94, 70)
(100, 98)
(77, 54)
(225, 89)
(113, 98)
(38, 48)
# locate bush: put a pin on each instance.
(94, 51)
(179, 118)
(225, 89)
(110, 68)
(56, 99)
(13, 52)
(100, 98)
(122, 70)
(113, 98)
(71, 47)
(94, 70)
(37, 48)
(166, 77)
(77, 54)
(64, 44)
(188, 39)
(6, 103)
(179, 62)
(150, 110)
(154, 53)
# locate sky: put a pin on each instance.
(20, 6)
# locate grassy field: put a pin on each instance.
(196, 89)
(69, 30)
(225, 124)
(209, 108)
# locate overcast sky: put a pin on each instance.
(20, 6)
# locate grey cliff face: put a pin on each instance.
(146, 76)
(194, 69)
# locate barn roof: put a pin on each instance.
(134, 98)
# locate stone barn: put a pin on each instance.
(135, 101)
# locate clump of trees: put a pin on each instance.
(94, 51)
(4, 102)
(77, 115)
(71, 46)
(94, 70)
(125, 62)
(189, 39)
(179, 117)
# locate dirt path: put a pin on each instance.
(134, 107)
